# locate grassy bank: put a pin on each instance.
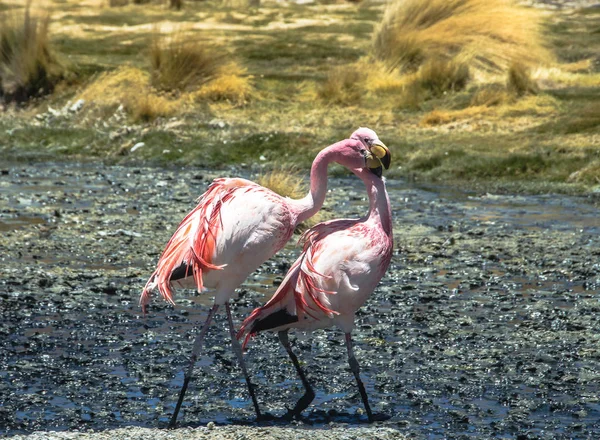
(292, 79)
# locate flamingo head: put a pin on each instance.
(377, 155)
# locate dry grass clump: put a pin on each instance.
(435, 117)
(117, 3)
(491, 95)
(381, 82)
(411, 96)
(343, 86)
(180, 62)
(148, 107)
(438, 75)
(129, 87)
(519, 80)
(487, 33)
(433, 79)
(112, 88)
(234, 88)
(28, 65)
(440, 117)
(287, 181)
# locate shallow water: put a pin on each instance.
(486, 324)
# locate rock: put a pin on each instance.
(77, 106)
(137, 146)
(217, 124)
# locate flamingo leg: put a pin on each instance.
(356, 370)
(309, 395)
(190, 370)
(237, 349)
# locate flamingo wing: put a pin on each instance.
(190, 250)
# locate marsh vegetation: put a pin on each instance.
(469, 91)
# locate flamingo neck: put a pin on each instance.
(380, 211)
(309, 205)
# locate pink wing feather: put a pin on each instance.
(193, 243)
(300, 284)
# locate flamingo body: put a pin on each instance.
(341, 263)
(215, 247)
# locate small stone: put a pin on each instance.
(216, 123)
(77, 106)
(137, 146)
(210, 425)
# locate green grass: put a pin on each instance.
(575, 37)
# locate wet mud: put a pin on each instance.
(486, 325)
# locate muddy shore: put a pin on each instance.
(486, 324)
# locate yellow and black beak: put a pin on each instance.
(382, 152)
(378, 157)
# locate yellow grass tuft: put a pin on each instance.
(435, 117)
(287, 181)
(490, 95)
(232, 88)
(179, 62)
(130, 87)
(441, 117)
(344, 85)
(28, 64)
(149, 106)
(519, 80)
(438, 76)
(380, 81)
(486, 34)
(112, 88)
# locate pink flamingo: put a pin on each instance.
(341, 263)
(236, 226)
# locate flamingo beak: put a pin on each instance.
(378, 157)
(373, 164)
(381, 152)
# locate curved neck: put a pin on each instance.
(380, 211)
(313, 201)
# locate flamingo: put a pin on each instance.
(236, 226)
(340, 265)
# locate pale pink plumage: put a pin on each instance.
(341, 263)
(212, 237)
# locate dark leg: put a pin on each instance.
(237, 349)
(188, 374)
(309, 395)
(356, 370)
